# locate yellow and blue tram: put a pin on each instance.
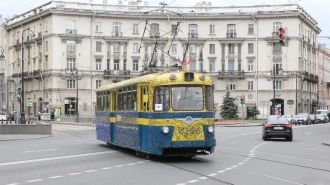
(168, 114)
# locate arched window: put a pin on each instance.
(193, 30)
(71, 27)
(116, 27)
(231, 31)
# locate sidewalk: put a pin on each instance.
(21, 137)
(235, 123)
(326, 143)
(71, 123)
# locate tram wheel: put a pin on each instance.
(147, 156)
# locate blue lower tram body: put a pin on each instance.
(151, 139)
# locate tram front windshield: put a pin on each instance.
(187, 98)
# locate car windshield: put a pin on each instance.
(321, 112)
(278, 121)
(302, 115)
(2, 113)
(187, 98)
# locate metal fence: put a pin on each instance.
(76, 119)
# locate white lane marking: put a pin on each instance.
(269, 176)
(203, 178)
(45, 150)
(119, 166)
(89, 171)
(193, 181)
(107, 168)
(71, 174)
(308, 133)
(55, 177)
(55, 158)
(130, 164)
(213, 174)
(238, 136)
(221, 171)
(181, 184)
(13, 184)
(36, 180)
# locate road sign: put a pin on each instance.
(17, 80)
(29, 102)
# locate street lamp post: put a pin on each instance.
(3, 67)
(77, 116)
(280, 70)
(22, 75)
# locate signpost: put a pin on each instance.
(242, 97)
(29, 102)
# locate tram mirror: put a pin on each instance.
(145, 98)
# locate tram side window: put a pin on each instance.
(144, 105)
(106, 102)
(120, 100)
(134, 99)
(161, 99)
(209, 98)
(98, 102)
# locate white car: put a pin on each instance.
(3, 116)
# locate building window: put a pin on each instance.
(276, 27)
(46, 47)
(115, 81)
(125, 64)
(212, 48)
(135, 65)
(250, 65)
(98, 46)
(192, 48)
(278, 85)
(135, 47)
(231, 48)
(277, 47)
(192, 65)
(239, 65)
(98, 84)
(251, 28)
(71, 64)
(70, 45)
(71, 27)
(154, 28)
(192, 31)
(174, 29)
(250, 85)
(231, 86)
(116, 47)
(231, 31)
(98, 63)
(212, 29)
(71, 84)
(98, 27)
(135, 28)
(108, 64)
(223, 65)
(174, 48)
(211, 65)
(250, 48)
(116, 27)
(116, 64)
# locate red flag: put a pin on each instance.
(188, 61)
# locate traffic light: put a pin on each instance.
(19, 93)
(242, 97)
(282, 36)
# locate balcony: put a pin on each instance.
(116, 34)
(230, 74)
(328, 84)
(36, 73)
(116, 73)
(71, 31)
(16, 75)
(275, 34)
(155, 34)
(198, 71)
(193, 35)
(231, 35)
(27, 75)
(39, 34)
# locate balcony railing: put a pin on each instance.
(328, 84)
(15, 75)
(116, 34)
(275, 34)
(198, 71)
(39, 34)
(71, 31)
(230, 74)
(108, 73)
(193, 35)
(155, 34)
(231, 35)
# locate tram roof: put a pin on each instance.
(157, 78)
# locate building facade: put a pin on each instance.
(82, 46)
(324, 77)
(3, 77)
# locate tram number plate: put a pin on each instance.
(189, 130)
(278, 128)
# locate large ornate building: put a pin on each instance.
(86, 45)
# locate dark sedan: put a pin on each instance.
(277, 128)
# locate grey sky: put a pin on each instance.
(319, 9)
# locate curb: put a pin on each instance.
(236, 125)
(39, 137)
(326, 143)
(75, 124)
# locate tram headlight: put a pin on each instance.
(202, 77)
(173, 77)
(166, 130)
(210, 129)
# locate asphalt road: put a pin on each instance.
(73, 156)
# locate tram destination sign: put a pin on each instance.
(188, 76)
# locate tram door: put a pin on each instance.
(113, 108)
(144, 109)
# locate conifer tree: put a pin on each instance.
(228, 107)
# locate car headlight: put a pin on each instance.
(210, 129)
(166, 130)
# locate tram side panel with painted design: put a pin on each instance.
(159, 114)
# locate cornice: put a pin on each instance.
(231, 40)
(116, 39)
